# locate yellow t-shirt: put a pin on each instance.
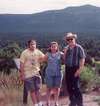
(31, 62)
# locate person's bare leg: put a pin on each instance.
(48, 96)
(38, 97)
(56, 95)
(33, 97)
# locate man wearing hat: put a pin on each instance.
(74, 61)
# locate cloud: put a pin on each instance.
(31, 6)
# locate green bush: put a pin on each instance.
(88, 77)
(97, 65)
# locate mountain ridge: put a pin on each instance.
(84, 18)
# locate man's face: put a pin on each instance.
(32, 45)
(70, 40)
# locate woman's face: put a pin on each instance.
(54, 48)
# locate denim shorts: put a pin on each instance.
(53, 81)
(33, 83)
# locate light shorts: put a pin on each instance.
(53, 81)
(33, 83)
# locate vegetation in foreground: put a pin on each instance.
(11, 86)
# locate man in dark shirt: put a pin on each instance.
(74, 61)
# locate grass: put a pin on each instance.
(10, 89)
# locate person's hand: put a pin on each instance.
(77, 73)
(22, 77)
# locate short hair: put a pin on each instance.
(29, 41)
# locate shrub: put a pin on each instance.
(87, 78)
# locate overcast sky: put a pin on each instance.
(34, 6)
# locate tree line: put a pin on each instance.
(10, 49)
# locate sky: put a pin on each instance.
(35, 6)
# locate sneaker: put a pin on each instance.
(36, 105)
(40, 104)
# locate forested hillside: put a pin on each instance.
(76, 19)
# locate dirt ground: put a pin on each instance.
(13, 97)
(89, 100)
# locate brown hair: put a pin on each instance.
(53, 42)
(29, 41)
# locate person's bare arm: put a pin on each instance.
(43, 59)
(82, 61)
(81, 65)
(22, 71)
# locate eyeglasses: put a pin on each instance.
(69, 39)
